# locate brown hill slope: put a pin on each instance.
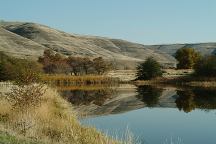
(30, 39)
(19, 46)
(123, 53)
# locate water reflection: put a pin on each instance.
(185, 101)
(200, 98)
(87, 97)
(157, 124)
(106, 100)
(149, 95)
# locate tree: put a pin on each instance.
(76, 65)
(187, 58)
(56, 63)
(87, 65)
(1, 71)
(53, 62)
(206, 66)
(101, 66)
(149, 69)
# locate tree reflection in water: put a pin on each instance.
(149, 94)
(200, 98)
(87, 97)
(185, 101)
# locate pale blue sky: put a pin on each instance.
(143, 21)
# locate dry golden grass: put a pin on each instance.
(83, 87)
(52, 122)
(202, 84)
(76, 80)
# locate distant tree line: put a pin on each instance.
(206, 66)
(27, 71)
(188, 58)
(55, 63)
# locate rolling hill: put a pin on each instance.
(29, 40)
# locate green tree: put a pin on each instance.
(149, 69)
(187, 58)
(206, 66)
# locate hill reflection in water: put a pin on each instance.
(124, 98)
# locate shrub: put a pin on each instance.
(187, 58)
(206, 67)
(6, 65)
(149, 69)
(26, 96)
(27, 72)
(21, 71)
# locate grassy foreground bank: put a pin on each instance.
(52, 121)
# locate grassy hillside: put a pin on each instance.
(30, 39)
(123, 53)
(52, 121)
(18, 46)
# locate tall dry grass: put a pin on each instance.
(51, 121)
(79, 80)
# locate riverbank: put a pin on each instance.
(170, 77)
(180, 81)
(52, 121)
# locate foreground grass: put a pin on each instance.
(53, 121)
(6, 138)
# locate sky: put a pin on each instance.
(142, 21)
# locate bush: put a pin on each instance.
(206, 67)
(25, 96)
(149, 69)
(187, 58)
(21, 71)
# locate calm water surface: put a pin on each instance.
(154, 115)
